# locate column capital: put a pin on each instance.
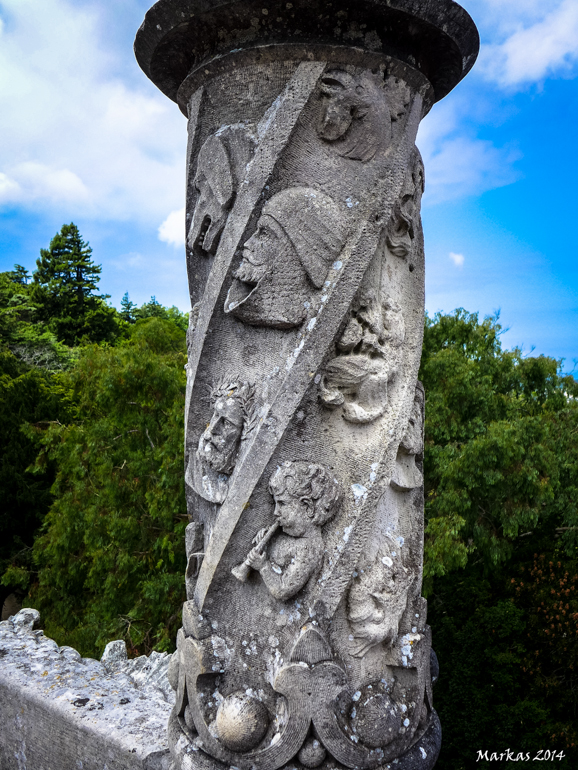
(436, 37)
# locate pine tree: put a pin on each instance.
(127, 308)
(64, 289)
(19, 275)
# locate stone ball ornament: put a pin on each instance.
(303, 456)
(241, 722)
(377, 720)
(312, 753)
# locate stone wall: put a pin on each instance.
(60, 711)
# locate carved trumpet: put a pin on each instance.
(241, 571)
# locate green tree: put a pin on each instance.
(507, 642)
(154, 309)
(499, 454)
(19, 275)
(27, 395)
(501, 470)
(30, 391)
(127, 309)
(64, 286)
(28, 338)
(111, 560)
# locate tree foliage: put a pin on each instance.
(59, 302)
(501, 469)
(507, 642)
(153, 309)
(500, 458)
(64, 286)
(111, 559)
(30, 392)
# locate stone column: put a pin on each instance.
(304, 639)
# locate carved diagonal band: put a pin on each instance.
(304, 639)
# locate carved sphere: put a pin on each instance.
(241, 722)
(312, 753)
(377, 720)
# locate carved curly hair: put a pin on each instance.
(312, 484)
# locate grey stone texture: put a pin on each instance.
(304, 641)
(60, 711)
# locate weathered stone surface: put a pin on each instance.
(304, 639)
(178, 36)
(60, 711)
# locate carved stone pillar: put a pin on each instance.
(304, 639)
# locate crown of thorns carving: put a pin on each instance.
(242, 392)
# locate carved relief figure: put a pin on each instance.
(401, 229)
(214, 460)
(378, 598)
(221, 165)
(300, 233)
(306, 497)
(369, 352)
(406, 475)
(354, 114)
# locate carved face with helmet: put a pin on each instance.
(300, 233)
(220, 165)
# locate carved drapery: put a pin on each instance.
(304, 637)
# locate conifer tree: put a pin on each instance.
(64, 289)
(19, 275)
(127, 308)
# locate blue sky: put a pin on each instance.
(85, 137)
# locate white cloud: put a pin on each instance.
(499, 18)
(72, 133)
(457, 259)
(9, 189)
(32, 181)
(458, 165)
(172, 230)
(536, 46)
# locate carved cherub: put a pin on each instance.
(213, 462)
(300, 233)
(306, 496)
(377, 599)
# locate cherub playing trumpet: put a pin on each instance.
(306, 497)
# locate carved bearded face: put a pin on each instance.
(271, 284)
(258, 252)
(220, 442)
(299, 234)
